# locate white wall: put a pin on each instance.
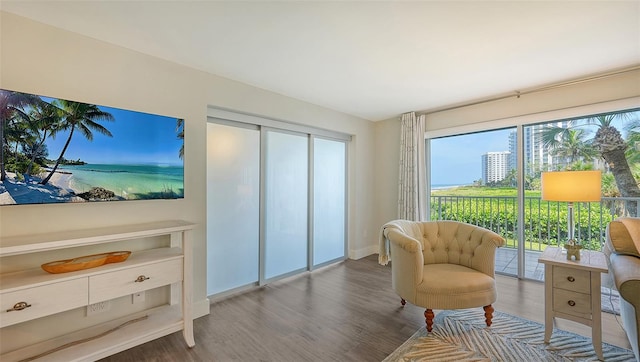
(36, 58)
(387, 167)
(598, 95)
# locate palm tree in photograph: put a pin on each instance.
(82, 117)
(44, 119)
(12, 105)
(17, 133)
(180, 132)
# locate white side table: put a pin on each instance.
(572, 291)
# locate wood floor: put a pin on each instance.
(344, 312)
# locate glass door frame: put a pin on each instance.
(520, 122)
(520, 194)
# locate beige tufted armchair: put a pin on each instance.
(441, 264)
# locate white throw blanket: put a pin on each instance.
(384, 254)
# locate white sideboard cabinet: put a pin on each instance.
(33, 293)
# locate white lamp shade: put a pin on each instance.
(572, 186)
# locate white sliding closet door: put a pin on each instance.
(233, 207)
(286, 203)
(276, 200)
(329, 186)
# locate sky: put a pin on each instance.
(457, 160)
(138, 138)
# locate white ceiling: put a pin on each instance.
(374, 60)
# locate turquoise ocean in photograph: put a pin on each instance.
(128, 181)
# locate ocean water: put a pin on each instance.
(446, 186)
(128, 181)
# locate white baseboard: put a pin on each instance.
(362, 252)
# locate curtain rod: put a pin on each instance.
(518, 94)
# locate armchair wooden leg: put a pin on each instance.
(428, 315)
(403, 302)
(488, 314)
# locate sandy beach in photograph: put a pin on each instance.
(31, 191)
(62, 181)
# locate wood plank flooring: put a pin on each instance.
(344, 312)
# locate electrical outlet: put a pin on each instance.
(137, 297)
(99, 307)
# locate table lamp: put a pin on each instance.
(570, 187)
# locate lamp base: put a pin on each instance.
(573, 249)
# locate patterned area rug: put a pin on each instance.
(462, 335)
(610, 301)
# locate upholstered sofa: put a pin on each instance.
(622, 247)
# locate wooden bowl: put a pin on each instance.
(85, 262)
(117, 256)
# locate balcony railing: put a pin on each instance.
(545, 223)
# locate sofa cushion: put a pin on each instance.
(624, 234)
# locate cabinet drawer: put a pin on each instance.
(573, 303)
(44, 300)
(122, 282)
(572, 279)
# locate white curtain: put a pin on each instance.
(412, 185)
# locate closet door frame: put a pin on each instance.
(231, 118)
(264, 130)
(311, 202)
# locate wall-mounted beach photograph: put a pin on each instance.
(59, 151)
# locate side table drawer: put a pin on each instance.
(122, 282)
(43, 300)
(572, 279)
(573, 303)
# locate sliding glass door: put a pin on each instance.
(473, 179)
(507, 196)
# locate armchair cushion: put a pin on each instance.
(451, 286)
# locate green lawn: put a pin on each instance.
(484, 191)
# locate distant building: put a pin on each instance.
(512, 163)
(537, 157)
(495, 166)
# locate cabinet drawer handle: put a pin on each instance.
(19, 306)
(571, 303)
(141, 279)
(571, 279)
